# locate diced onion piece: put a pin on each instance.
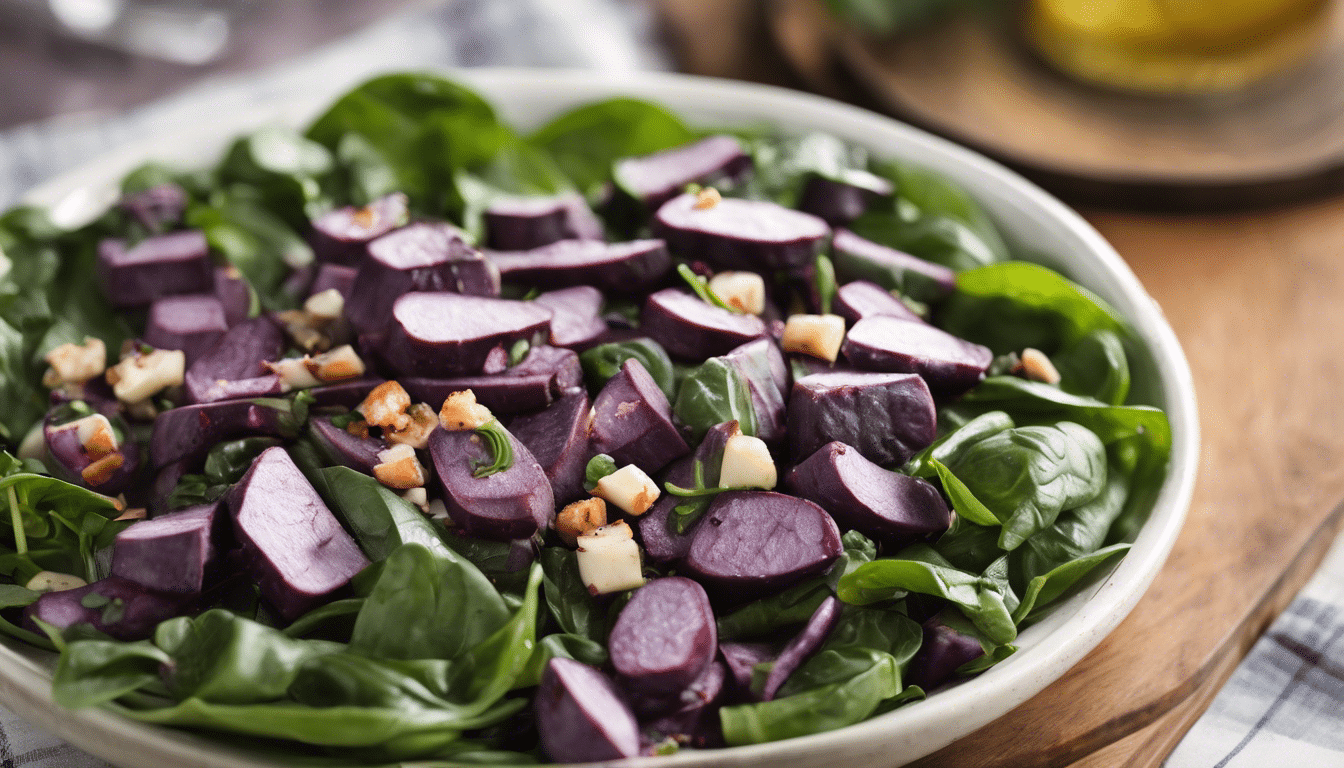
(461, 412)
(579, 519)
(95, 434)
(815, 335)
(629, 488)
(386, 406)
(399, 468)
(419, 497)
(742, 290)
(53, 581)
(327, 305)
(609, 560)
(294, 373)
(140, 376)
(747, 464)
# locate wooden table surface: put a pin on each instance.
(1257, 301)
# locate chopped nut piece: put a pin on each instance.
(461, 412)
(416, 434)
(707, 198)
(52, 581)
(327, 305)
(747, 464)
(136, 513)
(386, 406)
(359, 428)
(294, 373)
(629, 488)
(95, 434)
(75, 363)
(742, 290)
(138, 376)
(399, 468)
(143, 410)
(579, 519)
(419, 497)
(1037, 366)
(307, 330)
(337, 365)
(815, 335)
(609, 560)
(101, 471)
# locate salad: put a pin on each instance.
(411, 437)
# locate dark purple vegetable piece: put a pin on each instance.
(576, 318)
(943, 650)
(949, 364)
(341, 447)
(71, 462)
(165, 480)
(293, 546)
(710, 451)
(522, 223)
(695, 723)
(234, 294)
(887, 417)
(840, 201)
(512, 504)
(171, 553)
(238, 358)
(163, 265)
(346, 394)
(535, 382)
(423, 257)
(158, 208)
(627, 267)
(661, 543)
(802, 646)
(763, 368)
(741, 659)
(632, 421)
(750, 543)
(189, 432)
(558, 440)
(120, 608)
(438, 335)
(581, 716)
(656, 178)
(860, 258)
(192, 322)
(737, 233)
(692, 329)
(337, 276)
(889, 507)
(859, 299)
(662, 641)
(342, 236)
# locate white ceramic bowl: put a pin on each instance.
(1033, 221)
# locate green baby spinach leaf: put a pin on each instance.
(586, 141)
(1049, 586)
(948, 447)
(603, 361)
(567, 597)
(381, 521)
(92, 672)
(1095, 366)
(711, 394)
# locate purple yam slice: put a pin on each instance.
(581, 717)
(654, 179)
(165, 480)
(741, 660)
(888, 507)
(692, 329)
(886, 417)
(632, 421)
(662, 544)
(158, 208)
(803, 646)
(523, 223)
(337, 276)
(438, 335)
(695, 723)
(949, 364)
(117, 607)
(940, 654)
(558, 440)
(341, 447)
(762, 366)
(420, 257)
(234, 294)
(534, 383)
(737, 233)
(189, 432)
(859, 299)
(170, 553)
(840, 201)
(238, 357)
(346, 394)
(193, 323)
(71, 462)
(663, 640)
(751, 543)
(294, 548)
(857, 258)
(512, 504)
(342, 236)
(164, 265)
(576, 319)
(627, 267)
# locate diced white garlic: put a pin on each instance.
(580, 518)
(747, 464)
(609, 560)
(815, 335)
(75, 363)
(386, 406)
(742, 290)
(293, 373)
(140, 376)
(337, 365)
(399, 468)
(418, 497)
(95, 434)
(629, 488)
(461, 412)
(52, 581)
(1038, 367)
(416, 434)
(326, 305)
(437, 510)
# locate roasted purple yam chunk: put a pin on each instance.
(840, 201)
(170, 553)
(949, 364)
(576, 319)
(511, 504)
(233, 368)
(293, 546)
(438, 335)
(943, 650)
(193, 323)
(886, 417)
(627, 267)
(347, 394)
(802, 646)
(122, 609)
(334, 276)
(754, 542)
(535, 382)
(425, 257)
(662, 543)
(523, 223)
(662, 641)
(581, 717)
(858, 258)
(762, 366)
(695, 722)
(654, 179)
(158, 208)
(632, 421)
(692, 329)
(341, 447)
(887, 506)
(741, 660)
(189, 432)
(859, 299)
(737, 233)
(342, 236)
(558, 440)
(234, 294)
(163, 265)
(106, 471)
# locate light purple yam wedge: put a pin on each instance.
(576, 319)
(859, 299)
(346, 394)
(193, 323)
(69, 460)
(581, 717)
(741, 660)
(337, 276)
(340, 447)
(762, 365)
(737, 233)
(440, 335)
(515, 223)
(942, 651)
(557, 436)
(535, 382)
(629, 267)
(511, 504)
(234, 293)
(695, 722)
(342, 236)
(293, 545)
(190, 431)
(691, 329)
(164, 265)
(840, 201)
(661, 542)
(802, 646)
(949, 364)
(662, 641)
(233, 368)
(632, 421)
(653, 179)
(886, 417)
(172, 552)
(858, 258)
(117, 607)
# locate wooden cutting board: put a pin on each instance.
(1257, 301)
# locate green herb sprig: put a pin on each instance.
(499, 446)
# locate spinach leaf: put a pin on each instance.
(1095, 366)
(14, 596)
(963, 499)
(287, 170)
(972, 547)
(586, 141)
(228, 462)
(794, 605)
(238, 225)
(92, 672)
(380, 520)
(568, 598)
(55, 526)
(939, 239)
(947, 448)
(1077, 532)
(597, 468)
(320, 619)
(711, 394)
(932, 195)
(1049, 586)
(497, 560)
(603, 361)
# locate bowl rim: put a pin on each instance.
(903, 734)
